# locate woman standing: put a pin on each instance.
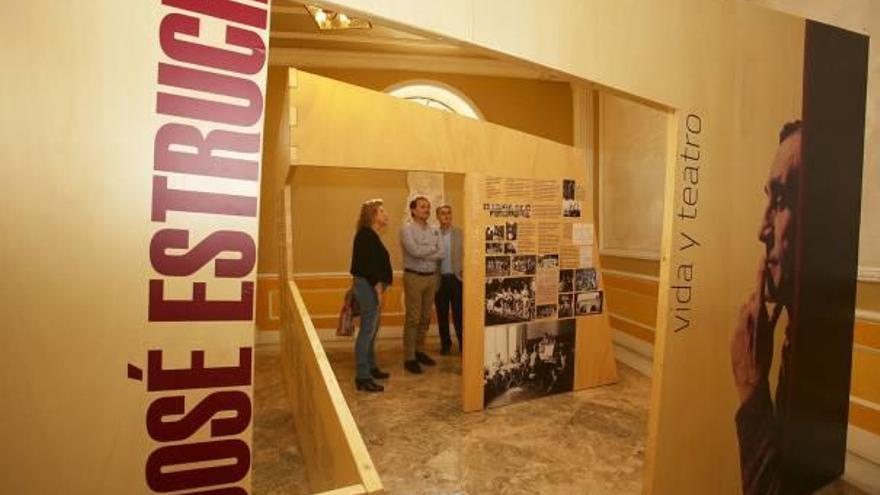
(371, 268)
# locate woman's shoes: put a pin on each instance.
(379, 374)
(368, 385)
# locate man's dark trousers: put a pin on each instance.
(449, 294)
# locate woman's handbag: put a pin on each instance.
(350, 309)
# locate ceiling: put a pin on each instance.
(296, 41)
(292, 27)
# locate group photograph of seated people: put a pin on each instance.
(527, 361)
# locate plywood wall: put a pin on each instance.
(340, 125)
(542, 108)
(328, 248)
(733, 74)
(93, 371)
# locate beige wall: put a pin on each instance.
(632, 146)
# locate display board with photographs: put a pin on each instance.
(539, 278)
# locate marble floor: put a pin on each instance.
(589, 442)
(278, 468)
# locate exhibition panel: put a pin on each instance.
(744, 193)
(334, 453)
(142, 139)
(133, 148)
(533, 191)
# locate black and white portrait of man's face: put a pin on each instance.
(779, 224)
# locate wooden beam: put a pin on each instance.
(363, 39)
(305, 58)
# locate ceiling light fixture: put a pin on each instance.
(328, 19)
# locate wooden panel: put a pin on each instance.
(408, 137)
(88, 141)
(274, 170)
(268, 310)
(385, 133)
(632, 305)
(329, 301)
(331, 445)
(388, 320)
(739, 69)
(595, 352)
(324, 301)
(636, 331)
(327, 247)
(307, 283)
(865, 373)
(473, 297)
(543, 109)
(650, 268)
(631, 284)
(632, 298)
(864, 417)
(345, 490)
(867, 334)
(868, 295)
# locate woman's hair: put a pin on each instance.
(369, 209)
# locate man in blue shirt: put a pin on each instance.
(449, 290)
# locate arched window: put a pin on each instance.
(436, 95)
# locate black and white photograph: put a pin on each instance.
(494, 248)
(527, 361)
(523, 265)
(586, 279)
(510, 231)
(544, 311)
(495, 233)
(568, 187)
(497, 266)
(571, 208)
(510, 248)
(588, 303)
(566, 306)
(566, 280)
(548, 261)
(509, 300)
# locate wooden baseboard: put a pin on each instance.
(634, 360)
(863, 460)
(330, 339)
